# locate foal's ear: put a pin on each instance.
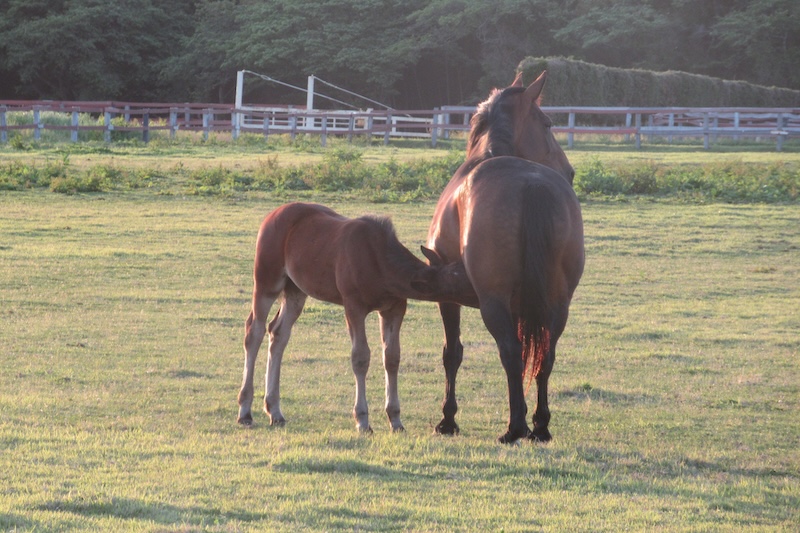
(534, 90)
(517, 80)
(432, 256)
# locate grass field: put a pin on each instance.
(674, 399)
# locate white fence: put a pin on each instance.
(634, 124)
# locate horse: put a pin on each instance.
(310, 250)
(511, 215)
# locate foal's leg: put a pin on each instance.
(255, 329)
(452, 355)
(280, 329)
(359, 358)
(501, 325)
(391, 320)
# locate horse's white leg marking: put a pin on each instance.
(255, 329)
(280, 329)
(359, 358)
(391, 320)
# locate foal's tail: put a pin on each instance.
(538, 270)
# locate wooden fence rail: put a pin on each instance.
(633, 123)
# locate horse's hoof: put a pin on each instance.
(540, 435)
(277, 422)
(447, 428)
(510, 437)
(365, 431)
(246, 420)
(398, 429)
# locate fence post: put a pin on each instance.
(570, 125)
(671, 125)
(781, 133)
(388, 128)
(638, 135)
(109, 126)
(293, 125)
(266, 126)
(3, 125)
(206, 123)
(37, 124)
(173, 122)
(434, 128)
(127, 113)
(73, 135)
(146, 128)
(323, 138)
(370, 123)
(628, 118)
(235, 124)
(351, 126)
(705, 131)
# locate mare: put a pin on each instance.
(310, 250)
(510, 213)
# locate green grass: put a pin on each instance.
(674, 397)
(402, 172)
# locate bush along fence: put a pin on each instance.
(107, 120)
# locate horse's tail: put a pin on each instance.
(538, 255)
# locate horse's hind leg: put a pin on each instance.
(501, 325)
(541, 417)
(452, 355)
(255, 329)
(280, 329)
(359, 358)
(391, 320)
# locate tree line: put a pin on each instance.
(406, 53)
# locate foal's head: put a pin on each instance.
(510, 122)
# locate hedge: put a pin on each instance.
(577, 83)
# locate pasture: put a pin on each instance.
(674, 397)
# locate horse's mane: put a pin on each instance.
(493, 118)
(398, 254)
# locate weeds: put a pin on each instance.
(731, 182)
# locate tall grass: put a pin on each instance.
(351, 169)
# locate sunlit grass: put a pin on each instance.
(674, 395)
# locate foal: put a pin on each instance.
(310, 250)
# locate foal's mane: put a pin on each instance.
(395, 251)
(494, 120)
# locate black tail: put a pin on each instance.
(538, 258)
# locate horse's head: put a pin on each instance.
(510, 122)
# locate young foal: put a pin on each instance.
(309, 250)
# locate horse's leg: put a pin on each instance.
(359, 359)
(541, 417)
(255, 329)
(280, 329)
(501, 325)
(391, 320)
(452, 355)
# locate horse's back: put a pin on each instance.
(496, 200)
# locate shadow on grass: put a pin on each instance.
(160, 513)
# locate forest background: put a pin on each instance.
(406, 53)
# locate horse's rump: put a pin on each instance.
(523, 235)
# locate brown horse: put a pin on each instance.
(510, 214)
(309, 250)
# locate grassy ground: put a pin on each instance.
(674, 399)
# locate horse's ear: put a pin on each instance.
(432, 256)
(534, 90)
(517, 80)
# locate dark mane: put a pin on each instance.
(494, 118)
(398, 254)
